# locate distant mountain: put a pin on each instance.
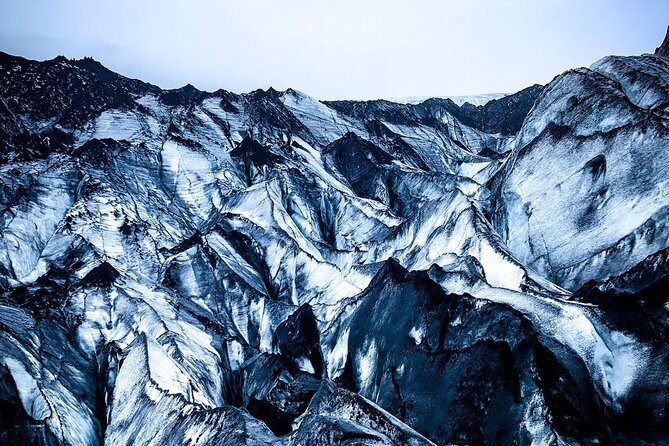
(181, 267)
(476, 99)
(499, 116)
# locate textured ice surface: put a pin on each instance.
(183, 267)
(601, 206)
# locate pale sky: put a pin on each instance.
(357, 49)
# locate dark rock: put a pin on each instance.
(298, 338)
(275, 394)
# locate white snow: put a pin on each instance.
(417, 334)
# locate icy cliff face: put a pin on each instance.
(184, 267)
(601, 207)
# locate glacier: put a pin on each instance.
(180, 267)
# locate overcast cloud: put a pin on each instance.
(337, 49)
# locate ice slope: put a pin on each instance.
(583, 195)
